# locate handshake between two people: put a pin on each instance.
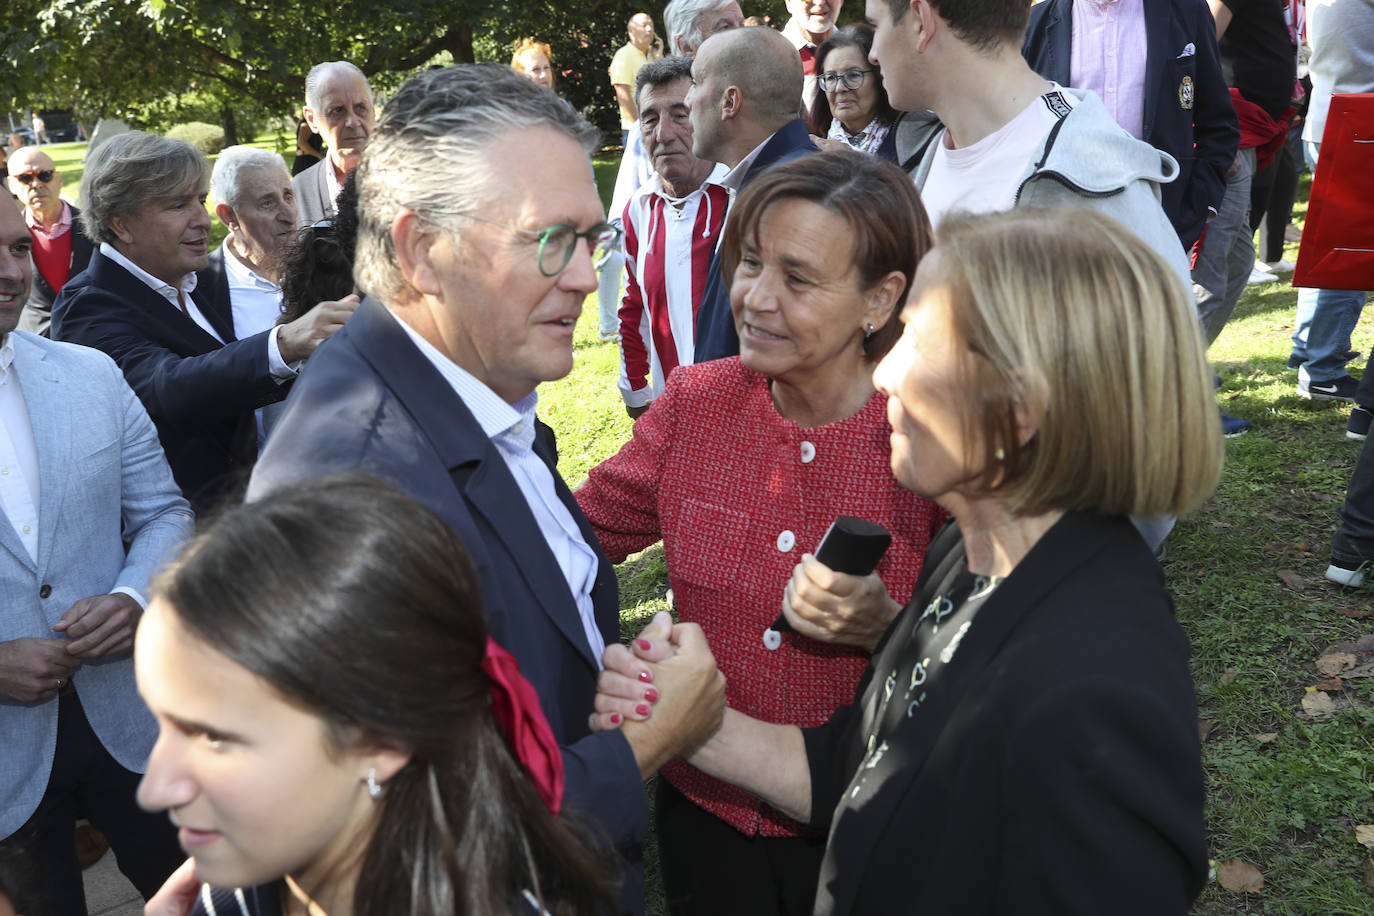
(664, 691)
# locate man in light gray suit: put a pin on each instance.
(338, 107)
(90, 510)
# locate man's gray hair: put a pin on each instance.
(226, 181)
(428, 155)
(661, 72)
(132, 169)
(682, 19)
(321, 74)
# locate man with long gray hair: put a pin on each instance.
(478, 220)
(139, 302)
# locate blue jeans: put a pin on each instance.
(1228, 252)
(1326, 317)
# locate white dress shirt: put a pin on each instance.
(511, 428)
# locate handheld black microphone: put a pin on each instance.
(851, 545)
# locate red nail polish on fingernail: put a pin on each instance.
(645, 676)
(644, 644)
(651, 694)
(642, 709)
(615, 718)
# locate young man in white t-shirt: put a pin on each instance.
(1011, 137)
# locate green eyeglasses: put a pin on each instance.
(557, 243)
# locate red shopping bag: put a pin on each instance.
(1337, 250)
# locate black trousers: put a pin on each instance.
(87, 782)
(710, 867)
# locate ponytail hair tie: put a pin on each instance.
(515, 704)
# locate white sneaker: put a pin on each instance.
(1281, 266)
(1260, 276)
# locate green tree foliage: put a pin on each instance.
(157, 62)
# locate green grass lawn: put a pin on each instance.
(1288, 806)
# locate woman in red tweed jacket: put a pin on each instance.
(740, 467)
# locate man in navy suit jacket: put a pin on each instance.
(474, 246)
(746, 94)
(138, 302)
(1187, 107)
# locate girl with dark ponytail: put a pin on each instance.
(339, 734)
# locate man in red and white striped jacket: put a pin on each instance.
(672, 226)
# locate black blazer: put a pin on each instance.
(371, 402)
(200, 393)
(715, 325)
(1057, 771)
(1188, 111)
(212, 284)
(37, 314)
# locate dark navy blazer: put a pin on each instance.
(370, 401)
(715, 326)
(1188, 111)
(200, 393)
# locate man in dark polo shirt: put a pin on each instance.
(61, 248)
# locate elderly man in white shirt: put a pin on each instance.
(256, 202)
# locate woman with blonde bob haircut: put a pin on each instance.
(1024, 739)
(1116, 432)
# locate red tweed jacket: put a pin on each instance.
(737, 493)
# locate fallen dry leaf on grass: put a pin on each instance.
(1356, 612)
(1205, 727)
(1288, 550)
(1240, 877)
(1317, 704)
(1365, 670)
(1267, 737)
(1228, 676)
(1364, 835)
(1335, 663)
(1291, 579)
(1330, 685)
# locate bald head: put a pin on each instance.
(762, 64)
(41, 198)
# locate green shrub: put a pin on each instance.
(207, 138)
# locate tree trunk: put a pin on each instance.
(230, 125)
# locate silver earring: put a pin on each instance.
(374, 788)
(868, 330)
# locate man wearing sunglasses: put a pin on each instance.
(478, 230)
(61, 248)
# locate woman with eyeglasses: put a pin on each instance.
(853, 106)
(741, 465)
(340, 734)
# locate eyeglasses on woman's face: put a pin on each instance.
(851, 79)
